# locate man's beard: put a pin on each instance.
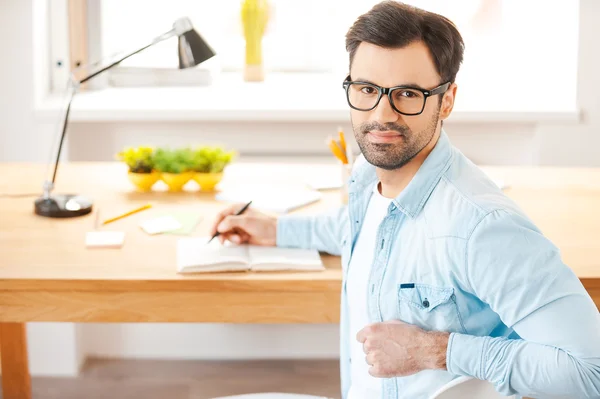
(391, 156)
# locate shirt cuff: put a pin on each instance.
(464, 355)
(293, 231)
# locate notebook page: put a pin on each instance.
(276, 258)
(194, 254)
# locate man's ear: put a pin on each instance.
(448, 102)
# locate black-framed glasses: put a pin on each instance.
(406, 100)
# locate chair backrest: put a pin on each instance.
(466, 387)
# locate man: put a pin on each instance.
(443, 274)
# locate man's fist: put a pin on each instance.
(397, 349)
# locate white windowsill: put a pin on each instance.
(280, 98)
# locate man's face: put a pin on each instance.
(387, 138)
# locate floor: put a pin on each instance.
(154, 379)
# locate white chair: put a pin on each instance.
(467, 387)
(272, 395)
(459, 388)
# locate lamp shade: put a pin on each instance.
(193, 49)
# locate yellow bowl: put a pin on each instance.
(176, 181)
(207, 181)
(143, 181)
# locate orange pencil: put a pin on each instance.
(141, 208)
(336, 150)
(342, 140)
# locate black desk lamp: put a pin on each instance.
(193, 50)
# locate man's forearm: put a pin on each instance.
(521, 367)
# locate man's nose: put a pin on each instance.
(384, 112)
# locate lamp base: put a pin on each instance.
(63, 206)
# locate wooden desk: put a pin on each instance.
(46, 273)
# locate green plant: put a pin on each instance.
(211, 159)
(168, 160)
(139, 160)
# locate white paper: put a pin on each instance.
(273, 200)
(324, 182)
(275, 258)
(501, 184)
(195, 254)
(104, 239)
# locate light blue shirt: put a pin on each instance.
(457, 255)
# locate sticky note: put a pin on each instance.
(188, 220)
(104, 239)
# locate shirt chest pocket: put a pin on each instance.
(429, 307)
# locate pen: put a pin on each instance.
(237, 214)
(141, 208)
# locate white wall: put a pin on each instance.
(579, 145)
(211, 341)
(19, 131)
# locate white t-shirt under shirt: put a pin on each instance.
(363, 386)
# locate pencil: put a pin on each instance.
(342, 140)
(97, 219)
(336, 150)
(141, 208)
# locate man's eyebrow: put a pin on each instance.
(409, 84)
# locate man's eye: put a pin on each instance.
(368, 90)
(408, 94)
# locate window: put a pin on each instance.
(301, 36)
(511, 45)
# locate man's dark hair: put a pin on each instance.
(392, 24)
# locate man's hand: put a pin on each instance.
(397, 349)
(251, 227)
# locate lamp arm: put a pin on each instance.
(49, 185)
(74, 86)
(158, 39)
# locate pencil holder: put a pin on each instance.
(346, 170)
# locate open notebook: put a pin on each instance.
(195, 255)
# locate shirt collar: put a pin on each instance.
(413, 198)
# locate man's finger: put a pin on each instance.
(231, 222)
(375, 371)
(365, 333)
(367, 346)
(245, 237)
(218, 218)
(361, 336)
(231, 210)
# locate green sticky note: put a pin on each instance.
(188, 219)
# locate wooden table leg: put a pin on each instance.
(16, 383)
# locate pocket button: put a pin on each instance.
(425, 303)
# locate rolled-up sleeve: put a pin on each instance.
(519, 273)
(322, 232)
